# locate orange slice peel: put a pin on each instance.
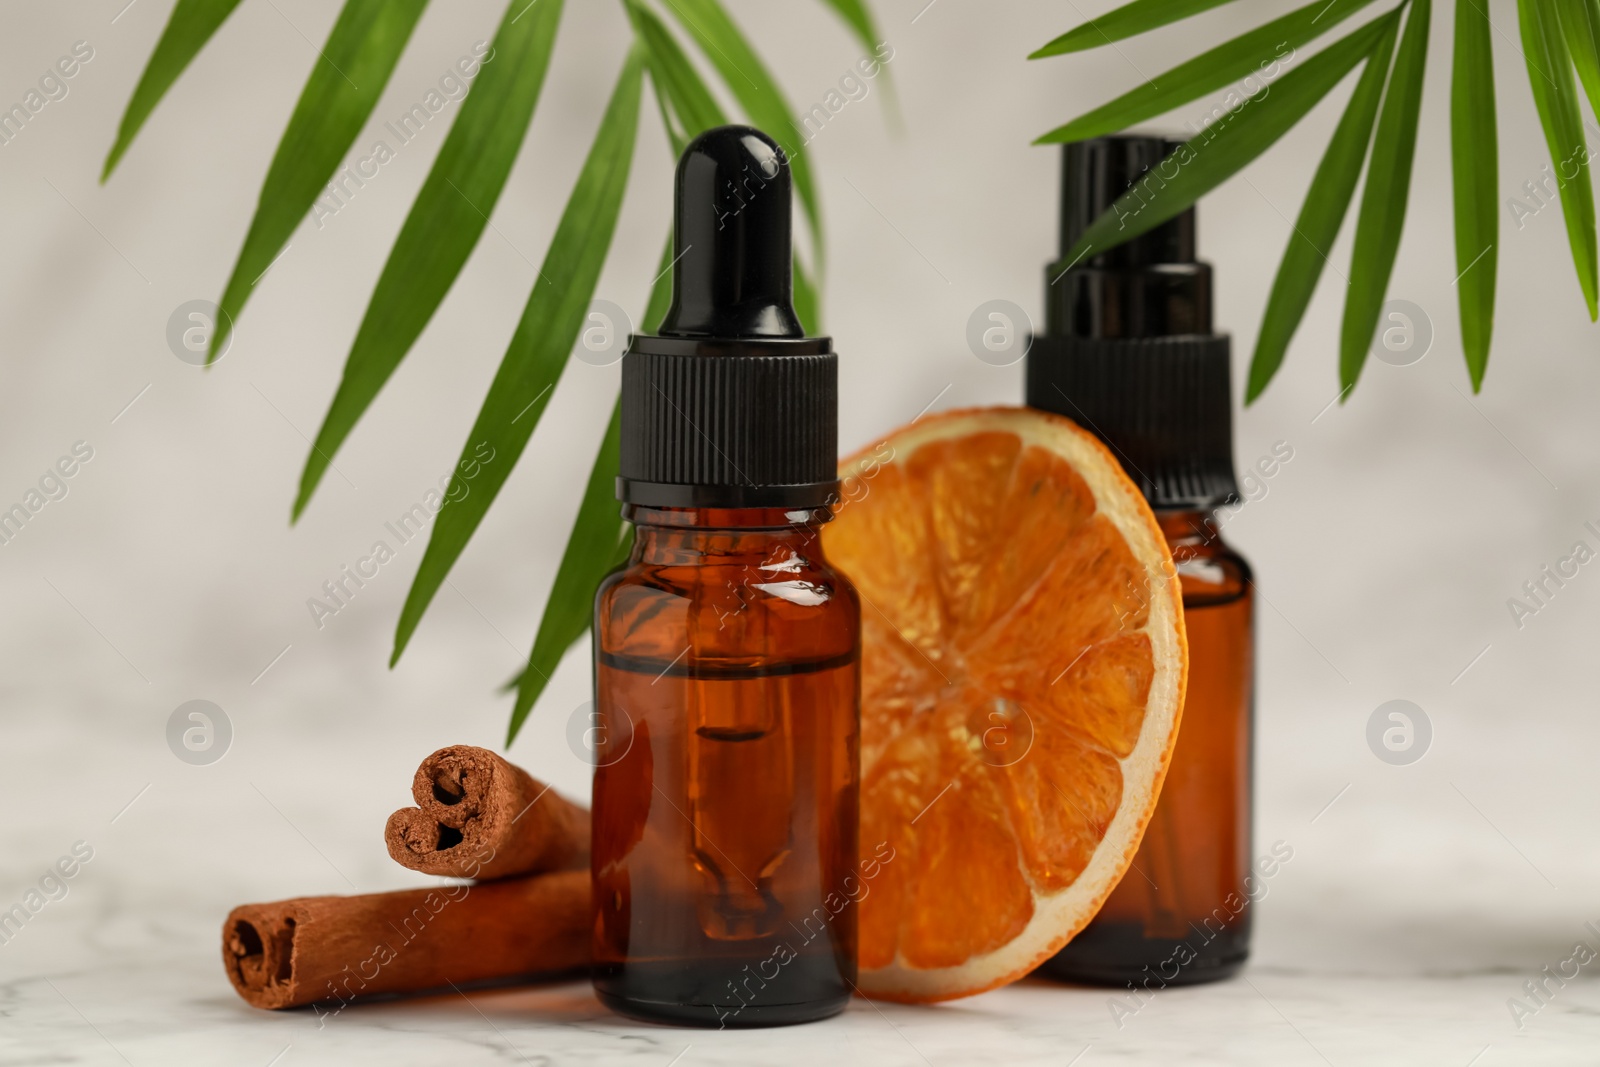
(1023, 674)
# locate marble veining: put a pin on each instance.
(179, 1011)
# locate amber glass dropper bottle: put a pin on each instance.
(1129, 354)
(727, 650)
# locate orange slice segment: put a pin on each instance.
(1023, 669)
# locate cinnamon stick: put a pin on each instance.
(478, 816)
(329, 950)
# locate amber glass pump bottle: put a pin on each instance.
(1128, 353)
(727, 650)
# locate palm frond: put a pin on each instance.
(1141, 16)
(1550, 75)
(445, 221)
(1383, 202)
(1321, 215)
(542, 343)
(1245, 55)
(599, 541)
(191, 25)
(1560, 38)
(350, 74)
(1224, 149)
(1475, 166)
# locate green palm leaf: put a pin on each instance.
(858, 17)
(1474, 156)
(1244, 55)
(445, 221)
(1550, 74)
(1321, 215)
(1383, 202)
(806, 307)
(543, 339)
(599, 537)
(1215, 155)
(600, 540)
(1128, 20)
(1580, 24)
(338, 98)
(675, 78)
(188, 29)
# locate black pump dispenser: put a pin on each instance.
(731, 405)
(1128, 350)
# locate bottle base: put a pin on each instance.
(703, 992)
(1123, 976)
(722, 1016)
(1121, 955)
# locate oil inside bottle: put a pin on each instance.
(1182, 912)
(710, 905)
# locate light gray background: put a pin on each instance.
(1385, 550)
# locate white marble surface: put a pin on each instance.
(178, 1010)
(1420, 898)
(177, 1014)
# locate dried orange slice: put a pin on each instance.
(1023, 671)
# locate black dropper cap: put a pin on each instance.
(1128, 351)
(731, 405)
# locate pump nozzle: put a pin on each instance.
(733, 276)
(1128, 350)
(1150, 286)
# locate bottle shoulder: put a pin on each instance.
(792, 607)
(1211, 571)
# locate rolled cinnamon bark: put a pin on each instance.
(329, 950)
(481, 817)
